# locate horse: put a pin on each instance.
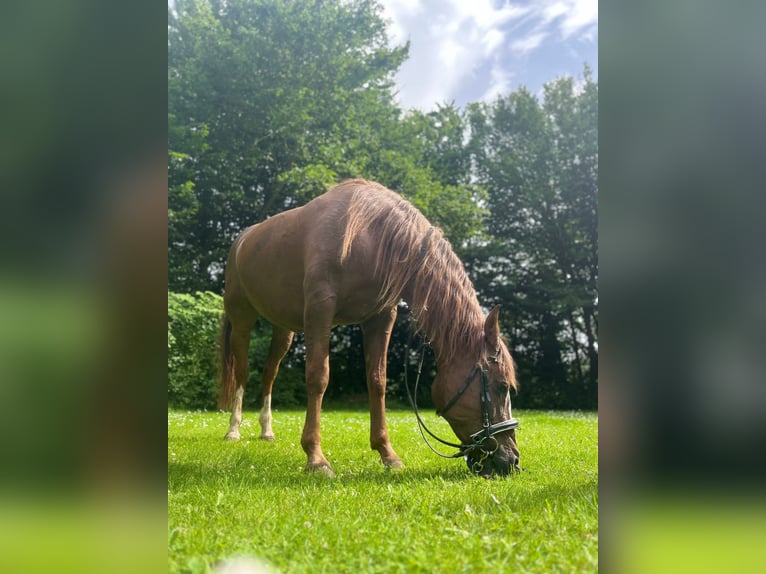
(349, 256)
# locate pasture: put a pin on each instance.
(253, 498)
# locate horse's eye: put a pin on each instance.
(502, 386)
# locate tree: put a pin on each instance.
(539, 163)
(257, 92)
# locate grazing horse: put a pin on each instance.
(348, 257)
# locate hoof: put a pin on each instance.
(267, 437)
(231, 437)
(322, 469)
(393, 463)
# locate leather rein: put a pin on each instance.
(483, 441)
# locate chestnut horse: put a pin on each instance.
(348, 257)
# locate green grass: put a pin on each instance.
(253, 498)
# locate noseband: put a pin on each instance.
(482, 442)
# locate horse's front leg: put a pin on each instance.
(317, 325)
(377, 333)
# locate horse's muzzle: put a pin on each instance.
(501, 462)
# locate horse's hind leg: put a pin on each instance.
(240, 342)
(377, 333)
(281, 339)
(242, 322)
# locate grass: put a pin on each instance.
(253, 498)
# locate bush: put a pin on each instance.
(193, 324)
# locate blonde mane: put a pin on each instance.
(410, 255)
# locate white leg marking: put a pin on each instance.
(265, 419)
(236, 415)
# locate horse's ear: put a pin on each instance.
(492, 327)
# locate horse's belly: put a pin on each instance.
(278, 298)
(354, 308)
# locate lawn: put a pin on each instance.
(253, 498)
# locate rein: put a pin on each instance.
(422, 425)
(483, 441)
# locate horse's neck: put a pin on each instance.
(441, 326)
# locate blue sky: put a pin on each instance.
(471, 50)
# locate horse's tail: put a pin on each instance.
(226, 377)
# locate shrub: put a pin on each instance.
(193, 325)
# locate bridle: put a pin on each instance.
(483, 443)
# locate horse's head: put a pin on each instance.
(473, 394)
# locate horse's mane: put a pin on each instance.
(408, 251)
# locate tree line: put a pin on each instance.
(271, 102)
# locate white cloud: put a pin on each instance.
(569, 17)
(492, 41)
(449, 41)
(500, 83)
(581, 16)
(451, 53)
(551, 12)
(484, 13)
(528, 43)
(398, 12)
(478, 46)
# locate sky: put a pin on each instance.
(470, 50)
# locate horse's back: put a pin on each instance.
(276, 264)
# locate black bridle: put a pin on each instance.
(483, 443)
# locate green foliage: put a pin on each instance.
(252, 498)
(193, 326)
(539, 165)
(306, 182)
(274, 87)
(193, 323)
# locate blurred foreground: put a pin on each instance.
(682, 399)
(81, 534)
(676, 531)
(83, 255)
